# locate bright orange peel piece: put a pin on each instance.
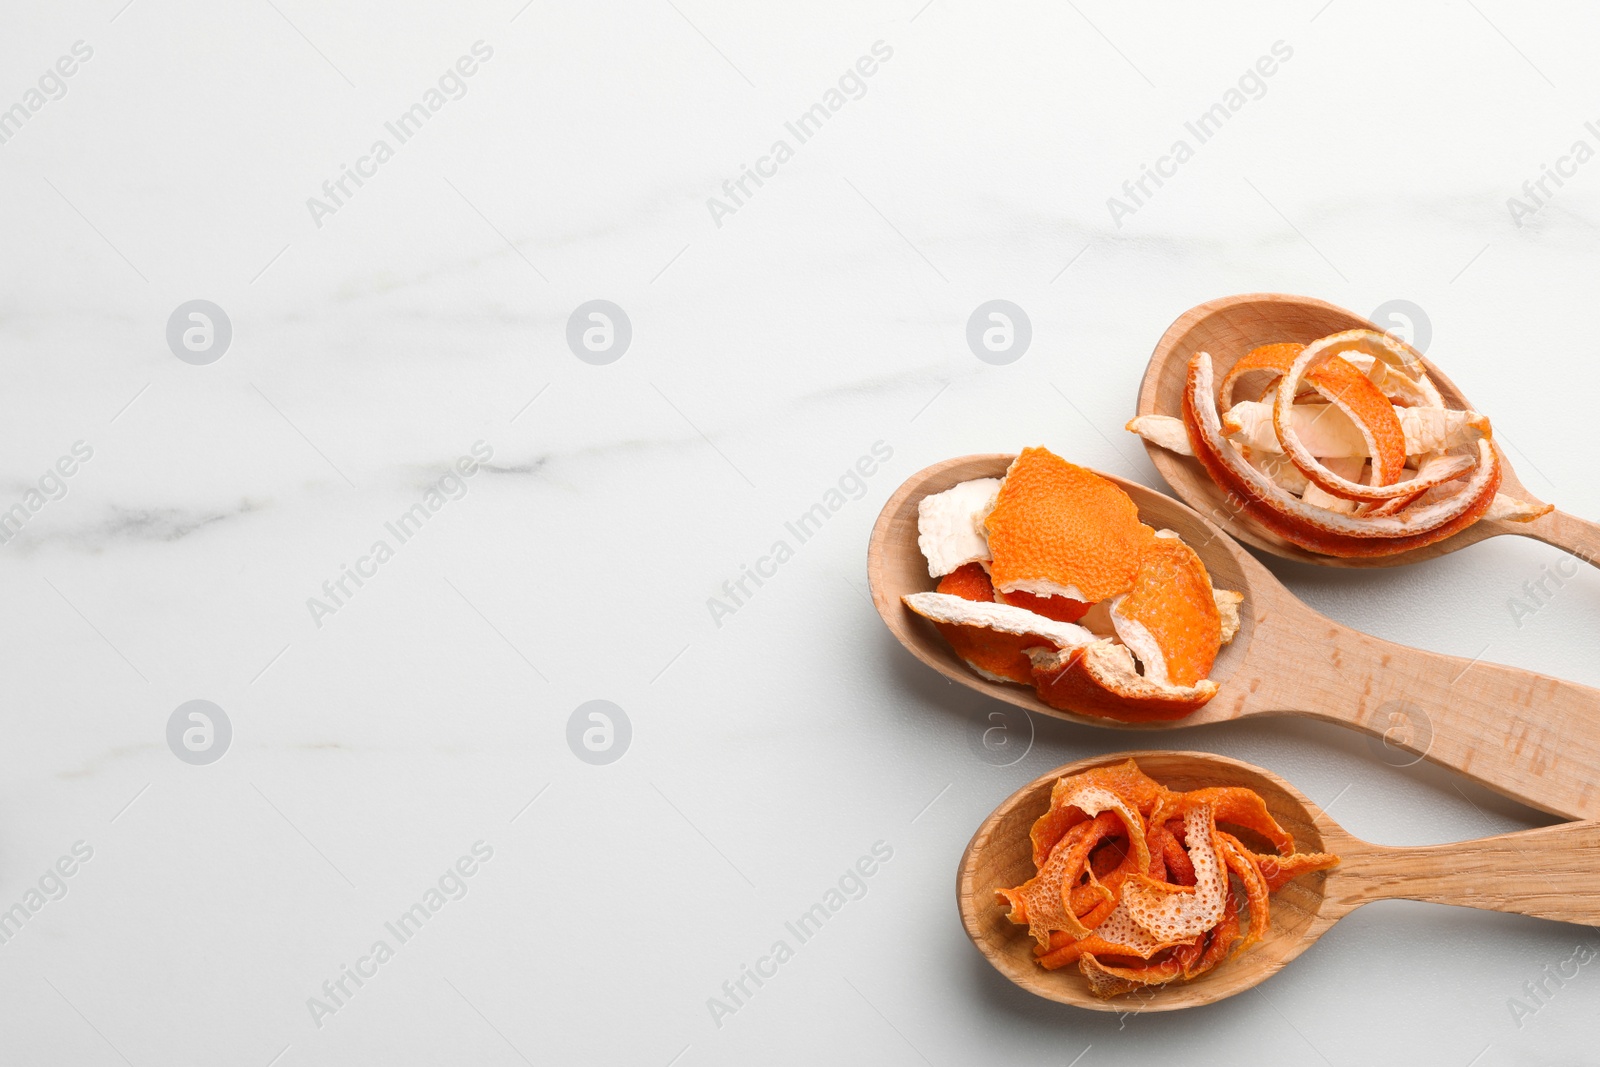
(1124, 779)
(1170, 618)
(991, 638)
(1353, 393)
(1277, 358)
(1058, 529)
(1101, 679)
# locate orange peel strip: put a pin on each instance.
(1280, 870)
(1314, 528)
(1100, 680)
(1070, 948)
(1106, 981)
(1044, 901)
(1118, 935)
(1170, 618)
(1180, 871)
(1094, 799)
(1101, 912)
(1241, 806)
(1156, 838)
(1221, 941)
(1435, 469)
(1124, 779)
(991, 638)
(1174, 913)
(1277, 358)
(1352, 392)
(1085, 900)
(1241, 861)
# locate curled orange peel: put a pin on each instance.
(1170, 618)
(1124, 779)
(1315, 528)
(1109, 894)
(1276, 358)
(1353, 393)
(1101, 679)
(1109, 980)
(1173, 912)
(1178, 868)
(1279, 871)
(991, 638)
(1043, 902)
(1242, 807)
(1376, 463)
(1065, 545)
(1220, 942)
(1241, 862)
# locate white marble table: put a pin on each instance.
(403, 740)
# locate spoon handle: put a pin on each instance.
(1580, 538)
(1550, 873)
(1534, 738)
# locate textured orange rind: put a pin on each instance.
(1318, 529)
(1351, 450)
(1066, 541)
(1136, 882)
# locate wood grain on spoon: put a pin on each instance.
(1230, 327)
(1552, 873)
(1532, 737)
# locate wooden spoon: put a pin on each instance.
(1534, 738)
(1230, 327)
(1551, 873)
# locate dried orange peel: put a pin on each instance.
(1058, 529)
(1162, 913)
(1170, 619)
(947, 525)
(1344, 387)
(1102, 679)
(991, 638)
(1320, 529)
(1351, 450)
(1055, 542)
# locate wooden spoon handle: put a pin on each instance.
(1580, 538)
(1550, 873)
(1532, 737)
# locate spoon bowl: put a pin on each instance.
(1531, 737)
(1230, 327)
(1551, 873)
(895, 567)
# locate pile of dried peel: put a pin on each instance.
(1049, 579)
(1348, 449)
(1133, 878)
